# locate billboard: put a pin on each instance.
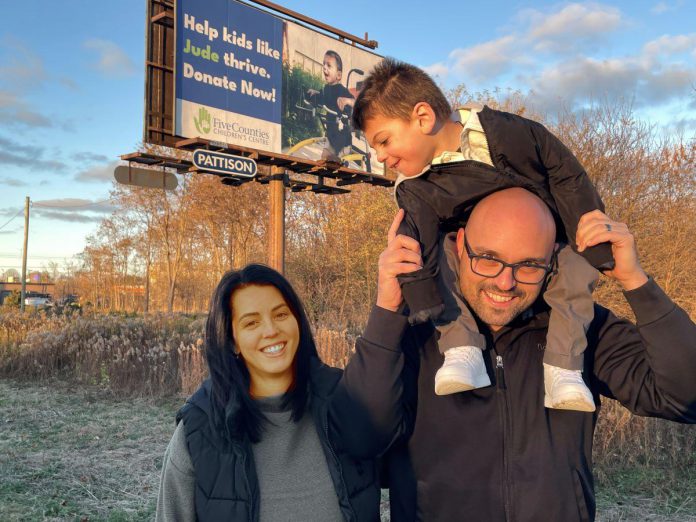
(247, 77)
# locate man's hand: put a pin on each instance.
(401, 256)
(595, 227)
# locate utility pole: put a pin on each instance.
(24, 252)
(276, 245)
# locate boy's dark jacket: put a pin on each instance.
(226, 481)
(495, 453)
(524, 154)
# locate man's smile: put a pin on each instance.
(498, 298)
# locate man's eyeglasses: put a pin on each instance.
(525, 272)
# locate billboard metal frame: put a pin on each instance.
(159, 100)
(274, 169)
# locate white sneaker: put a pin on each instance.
(462, 370)
(565, 390)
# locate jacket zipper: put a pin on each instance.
(243, 457)
(502, 407)
(344, 489)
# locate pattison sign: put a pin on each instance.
(221, 163)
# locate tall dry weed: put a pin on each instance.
(150, 355)
(164, 355)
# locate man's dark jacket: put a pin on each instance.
(524, 154)
(226, 481)
(495, 453)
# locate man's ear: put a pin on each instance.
(425, 116)
(460, 243)
(554, 252)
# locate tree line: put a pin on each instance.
(165, 251)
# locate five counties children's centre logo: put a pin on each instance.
(202, 121)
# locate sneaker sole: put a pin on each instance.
(451, 387)
(574, 403)
(445, 385)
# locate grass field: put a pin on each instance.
(79, 454)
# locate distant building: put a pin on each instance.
(43, 289)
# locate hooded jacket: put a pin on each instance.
(497, 454)
(226, 480)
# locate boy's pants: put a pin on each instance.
(568, 293)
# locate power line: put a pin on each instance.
(41, 205)
(41, 258)
(15, 254)
(12, 218)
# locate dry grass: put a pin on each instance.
(156, 355)
(64, 446)
(71, 453)
(79, 453)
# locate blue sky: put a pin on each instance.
(71, 83)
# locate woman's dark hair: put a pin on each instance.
(228, 373)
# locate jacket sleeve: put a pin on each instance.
(419, 288)
(572, 190)
(649, 367)
(175, 501)
(370, 407)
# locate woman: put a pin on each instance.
(256, 441)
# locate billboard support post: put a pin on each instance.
(276, 195)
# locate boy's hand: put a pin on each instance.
(401, 256)
(595, 227)
(343, 102)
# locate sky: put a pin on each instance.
(72, 84)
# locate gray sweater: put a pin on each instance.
(294, 480)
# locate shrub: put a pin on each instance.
(153, 355)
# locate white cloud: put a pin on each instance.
(72, 209)
(660, 8)
(575, 21)
(20, 68)
(16, 113)
(566, 32)
(89, 157)
(12, 182)
(664, 7)
(98, 174)
(668, 45)
(559, 56)
(30, 157)
(72, 217)
(486, 60)
(578, 80)
(111, 59)
(437, 70)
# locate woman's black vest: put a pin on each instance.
(226, 481)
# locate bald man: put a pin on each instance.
(495, 453)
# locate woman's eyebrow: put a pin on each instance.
(249, 314)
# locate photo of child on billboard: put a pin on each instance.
(321, 79)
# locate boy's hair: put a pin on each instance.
(337, 57)
(393, 88)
